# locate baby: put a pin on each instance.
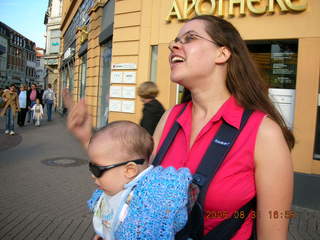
(134, 200)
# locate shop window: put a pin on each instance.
(83, 75)
(154, 63)
(277, 61)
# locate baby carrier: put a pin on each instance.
(217, 150)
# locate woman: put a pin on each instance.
(152, 108)
(212, 62)
(11, 107)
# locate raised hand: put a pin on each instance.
(79, 121)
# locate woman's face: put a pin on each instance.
(192, 58)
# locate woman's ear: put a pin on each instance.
(223, 55)
(131, 170)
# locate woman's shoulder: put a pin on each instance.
(269, 129)
(270, 139)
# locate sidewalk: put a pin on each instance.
(44, 185)
(43, 198)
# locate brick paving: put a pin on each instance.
(38, 201)
(41, 201)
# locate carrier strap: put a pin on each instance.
(212, 160)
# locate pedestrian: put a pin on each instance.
(48, 99)
(33, 94)
(24, 103)
(222, 87)
(152, 108)
(37, 112)
(41, 91)
(10, 109)
(134, 200)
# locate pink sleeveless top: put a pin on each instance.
(234, 183)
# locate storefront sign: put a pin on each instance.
(216, 7)
(51, 61)
(124, 66)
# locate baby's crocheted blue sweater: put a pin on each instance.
(158, 208)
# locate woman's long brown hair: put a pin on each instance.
(244, 81)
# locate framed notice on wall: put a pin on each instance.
(128, 106)
(116, 77)
(116, 91)
(129, 77)
(128, 92)
(114, 105)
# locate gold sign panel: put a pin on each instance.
(182, 9)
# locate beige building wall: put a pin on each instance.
(133, 28)
(127, 44)
(142, 23)
(139, 24)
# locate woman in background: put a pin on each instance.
(152, 108)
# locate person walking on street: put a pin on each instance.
(37, 112)
(33, 95)
(24, 102)
(48, 99)
(10, 109)
(152, 108)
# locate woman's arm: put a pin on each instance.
(274, 182)
(158, 132)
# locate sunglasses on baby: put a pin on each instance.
(97, 171)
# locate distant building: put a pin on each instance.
(17, 58)
(52, 21)
(40, 68)
(3, 56)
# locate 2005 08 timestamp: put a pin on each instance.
(272, 214)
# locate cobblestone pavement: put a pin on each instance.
(42, 198)
(44, 185)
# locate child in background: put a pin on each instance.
(37, 112)
(135, 200)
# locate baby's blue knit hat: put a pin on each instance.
(158, 208)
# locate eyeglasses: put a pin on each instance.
(97, 171)
(187, 38)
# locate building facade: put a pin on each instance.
(123, 43)
(3, 56)
(20, 58)
(52, 21)
(41, 72)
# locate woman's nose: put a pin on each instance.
(174, 45)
